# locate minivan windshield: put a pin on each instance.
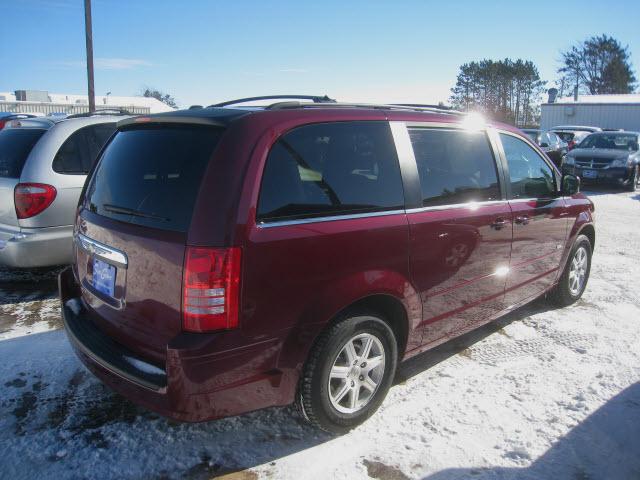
(15, 146)
(150, 176)
(610, 141)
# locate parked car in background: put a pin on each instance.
(8, 116)
(43, 166)
(231, 259)
(573, 134)
(549, 143)
(606, 157)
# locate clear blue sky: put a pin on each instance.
(204, 51)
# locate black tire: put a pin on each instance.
(562, 294)
(633, 181)
(313, 399)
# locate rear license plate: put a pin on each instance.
(104, 277)
(590, 174)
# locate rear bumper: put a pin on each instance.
(35, 247)
(195, 384)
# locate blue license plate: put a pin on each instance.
(104, 277)
(589, 174)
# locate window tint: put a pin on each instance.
(15, 146)
(79, 151)
(455, 166)
(151, 176)
(530, 175)
(329, 169)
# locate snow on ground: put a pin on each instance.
(541, 394)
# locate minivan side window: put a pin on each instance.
(331, 169)
(455, 166)
(529, 174)
(80, 150)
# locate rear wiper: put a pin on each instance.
(132, 212)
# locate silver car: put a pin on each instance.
(43, 167)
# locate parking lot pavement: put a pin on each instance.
(541, 393)
(28, 301)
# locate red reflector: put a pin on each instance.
(142, 119)
(32, 198)
(211, 294)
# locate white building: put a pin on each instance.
(604, 111)
(25, 101)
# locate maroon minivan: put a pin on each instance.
(230, 259)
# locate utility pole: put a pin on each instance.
(89, 40)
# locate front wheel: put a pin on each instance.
(634, 181)
(348, 374)
(575, 275)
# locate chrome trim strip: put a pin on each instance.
(541, 199)
(101, 250)
(456, 205)
(304, 221)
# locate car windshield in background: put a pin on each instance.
(566, 136)
(611, 142)
(15, 146)
(150, 176)
(532, 134)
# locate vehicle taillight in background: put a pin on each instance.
(32, 198)
(570, 145)
(2, 122)
(211, 286)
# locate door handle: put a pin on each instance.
(522, 220)
(499, 223)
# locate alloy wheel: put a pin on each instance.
(578, 271)
(356, 373)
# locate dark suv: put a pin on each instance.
(231, 259)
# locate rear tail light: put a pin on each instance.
(2, 122)
(211, 289)
(570, 145)
(32, 198)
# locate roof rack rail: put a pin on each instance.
(381, 106)
(313, 98)
(101, 111)
(422, 105)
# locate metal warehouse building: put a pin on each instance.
(604, 111)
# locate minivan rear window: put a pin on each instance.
(15, 146)
(150, 176)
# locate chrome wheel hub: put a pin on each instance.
(356, 373)
(578, 271)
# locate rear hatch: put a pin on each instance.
(132, 231)
(15, 146)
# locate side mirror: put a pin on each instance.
(570, 185)
(544, 145)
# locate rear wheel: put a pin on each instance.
(574, 278)
(348, 373)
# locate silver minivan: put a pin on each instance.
(43, 167)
